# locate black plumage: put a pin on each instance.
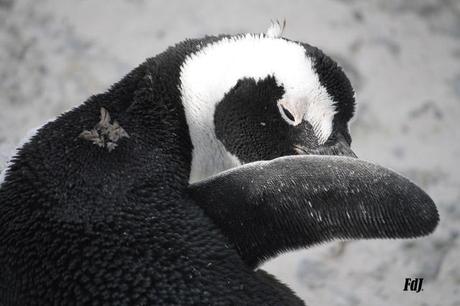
(92, 217)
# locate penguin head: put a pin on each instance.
(260, 96)
(257, 120)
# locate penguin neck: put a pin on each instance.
(209, 155)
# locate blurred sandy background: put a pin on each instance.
(403, 58)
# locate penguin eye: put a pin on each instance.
(287, 113)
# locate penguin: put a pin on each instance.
(175, 184)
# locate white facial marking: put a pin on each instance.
(297, 108)
(210, 73)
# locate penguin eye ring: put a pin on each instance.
(287, 113)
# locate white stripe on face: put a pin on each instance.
(210, 73)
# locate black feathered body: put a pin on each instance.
(97, 207)
(81, 224)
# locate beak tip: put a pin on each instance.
(352, 154)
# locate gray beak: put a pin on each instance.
(343, 148)
(340, 148)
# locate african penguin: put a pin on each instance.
(174, 185)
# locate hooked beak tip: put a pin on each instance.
(341, 148)
(349, 152)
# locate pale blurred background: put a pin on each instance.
(403, 58)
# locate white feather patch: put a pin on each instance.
(276, 29)
(210, 73)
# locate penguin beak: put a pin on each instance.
(344, 148)
(339, 147)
